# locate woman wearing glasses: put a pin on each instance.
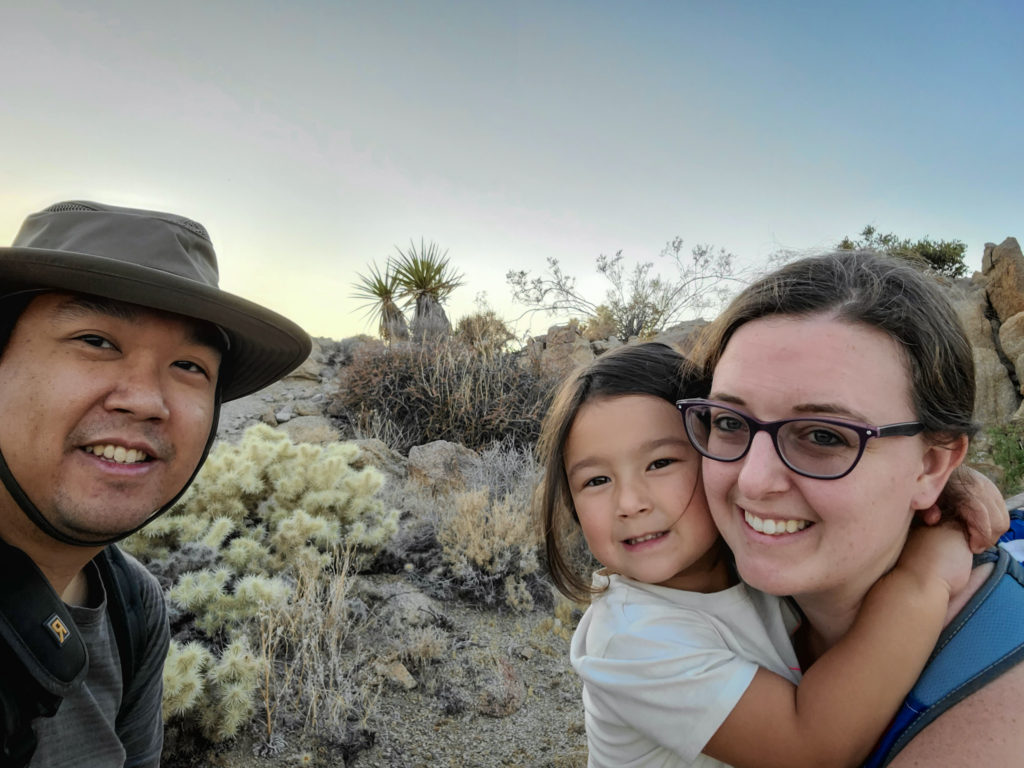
(841, 400)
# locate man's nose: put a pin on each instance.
(140, 389)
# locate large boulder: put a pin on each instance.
(564, 350)
(971, 305)
(442, 466)
(1011, 339)
(682, 336)
(1003, 265)
(995, 400)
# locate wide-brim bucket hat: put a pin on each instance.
(156, 260)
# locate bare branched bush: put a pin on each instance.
(444, 392)
(490, 547)
(484, 332)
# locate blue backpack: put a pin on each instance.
(984, 640)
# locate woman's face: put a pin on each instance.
(851, 530)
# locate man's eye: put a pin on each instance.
(188, 365)
(95, 341)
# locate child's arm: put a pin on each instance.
(973, 499)
(849, 695)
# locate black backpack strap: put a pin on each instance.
(127, 614)
(984, 640)
(42, 654)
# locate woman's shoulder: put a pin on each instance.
(965, 687)
(977, 731)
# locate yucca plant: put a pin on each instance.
(427, 280)
(380, 292)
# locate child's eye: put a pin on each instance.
(595, 481)
(93, 340)
(660, 463)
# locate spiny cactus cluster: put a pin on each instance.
(218, 691)
(258, 513)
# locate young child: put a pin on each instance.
(678, 657)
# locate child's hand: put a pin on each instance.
(938, 552)
(975, 501)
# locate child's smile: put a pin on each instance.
(635, 484)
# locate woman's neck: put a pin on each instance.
(827, 617)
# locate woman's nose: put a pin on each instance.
(762, 471)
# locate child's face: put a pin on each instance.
(635, 483)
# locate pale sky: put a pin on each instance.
(310, 138)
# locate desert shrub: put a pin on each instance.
(490, 548)
(1007, 449)
(444, 392)
(483, 332)
(601, 325)
(262, 515)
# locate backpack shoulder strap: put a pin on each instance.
(984, 640)
(126, 611)
(42, 654)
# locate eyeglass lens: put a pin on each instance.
(813, 447)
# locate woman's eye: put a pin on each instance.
(825, 438)
(727, 424)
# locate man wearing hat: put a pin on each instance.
(116, 350)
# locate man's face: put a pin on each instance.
(106, 407)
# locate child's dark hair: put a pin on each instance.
(642, 369)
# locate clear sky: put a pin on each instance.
(312, 137)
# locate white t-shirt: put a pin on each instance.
(663, 668)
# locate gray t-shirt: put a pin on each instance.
(88, 731)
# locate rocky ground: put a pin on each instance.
(504, 694)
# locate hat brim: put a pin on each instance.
(265, 346)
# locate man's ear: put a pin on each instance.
(937, 465)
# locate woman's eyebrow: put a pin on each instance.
(830, 409)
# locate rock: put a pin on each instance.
(682, 336)
(1011, 339)
(1003, 265)
(376, 453)
(970, 310)
(311, 429)
(996, 399)
(396, 672)
(411, 608)
(502, 692)
(441, 466)
(283, 415)
(310, 368)
(565, 350)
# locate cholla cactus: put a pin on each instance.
(184, 677)
(232, 686)
(261, 511)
